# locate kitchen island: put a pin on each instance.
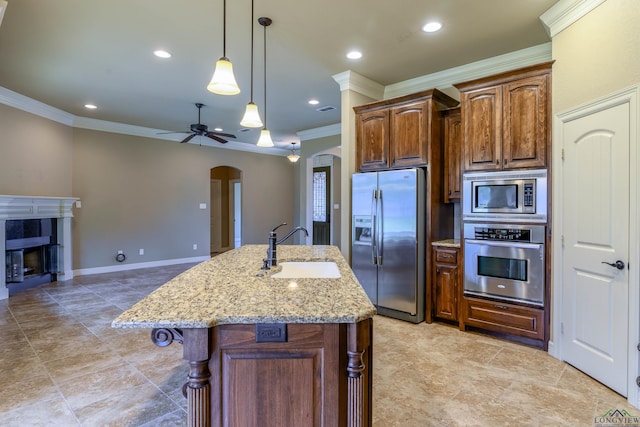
(266, 350)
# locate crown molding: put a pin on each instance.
(21, 102)
(486, 67)
(321, 132)
(350, 80)
(565, 13)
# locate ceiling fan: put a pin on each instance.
(198, 129)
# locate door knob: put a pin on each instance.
(618, 264)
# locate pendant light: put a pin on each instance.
(223, 81)
(251, 118)
(265, 135)
(293, 157)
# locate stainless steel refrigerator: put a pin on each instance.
(388, 246)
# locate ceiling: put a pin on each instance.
(67, 53)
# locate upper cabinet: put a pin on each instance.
(506, 119)
(396, 133)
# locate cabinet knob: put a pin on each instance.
(437, 271)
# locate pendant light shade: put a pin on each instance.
(251, 118)
(293, 157)
(265, 138)
(265, 135)
(223, 81)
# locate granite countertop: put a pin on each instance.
(232, 289)
(451, 243)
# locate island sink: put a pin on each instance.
(308, 269)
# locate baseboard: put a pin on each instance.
(138, 265)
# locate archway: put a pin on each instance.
(226, 209)
(330, 158)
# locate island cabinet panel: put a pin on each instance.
(300, 382)
(373, 134)
(452, 155)
(397, 133)
(505, 119)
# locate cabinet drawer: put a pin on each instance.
(449, 257)
(503, 317)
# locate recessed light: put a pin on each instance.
(354, 54)
(431, 27)
(314, 102)
(162, 54)
(90, 106)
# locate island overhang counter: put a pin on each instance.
(264, 350)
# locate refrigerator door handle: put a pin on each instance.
(379, 235)
(374, 211)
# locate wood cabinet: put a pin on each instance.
(517, 320)
(452, 155)
(506, 119)
(397, 133)
(446, 282)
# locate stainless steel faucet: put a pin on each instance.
(271, 260)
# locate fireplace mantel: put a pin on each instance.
(34, 207)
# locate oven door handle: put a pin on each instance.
(523, 245)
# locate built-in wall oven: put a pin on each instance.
(505, 261)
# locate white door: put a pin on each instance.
(595, 311)
(216, 215)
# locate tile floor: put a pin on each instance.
(61, 364)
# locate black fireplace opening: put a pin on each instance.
(32, 253)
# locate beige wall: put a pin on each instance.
(136, 193)
(598, 55)
(145, 193)
(35, 155)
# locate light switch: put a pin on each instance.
(78, 204)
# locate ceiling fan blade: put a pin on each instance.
(216, 138)
(226, 135)
(187, 139)
(164, 133)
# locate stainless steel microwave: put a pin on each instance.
(506, 196)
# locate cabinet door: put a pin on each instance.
(525, 109)
(452, 156)
(372, 140)
(482, 128)
(409, 135)
(446, 291)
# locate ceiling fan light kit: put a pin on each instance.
(223, 81)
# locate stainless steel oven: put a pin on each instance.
(505, 196)
(505, 261)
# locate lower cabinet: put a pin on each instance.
(446, 282)
(502, 317)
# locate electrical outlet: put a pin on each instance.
(120, 252)
(203, 206)
(141, 252)
(78, 204)
(195, 246)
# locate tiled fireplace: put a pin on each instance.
(35, 238)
